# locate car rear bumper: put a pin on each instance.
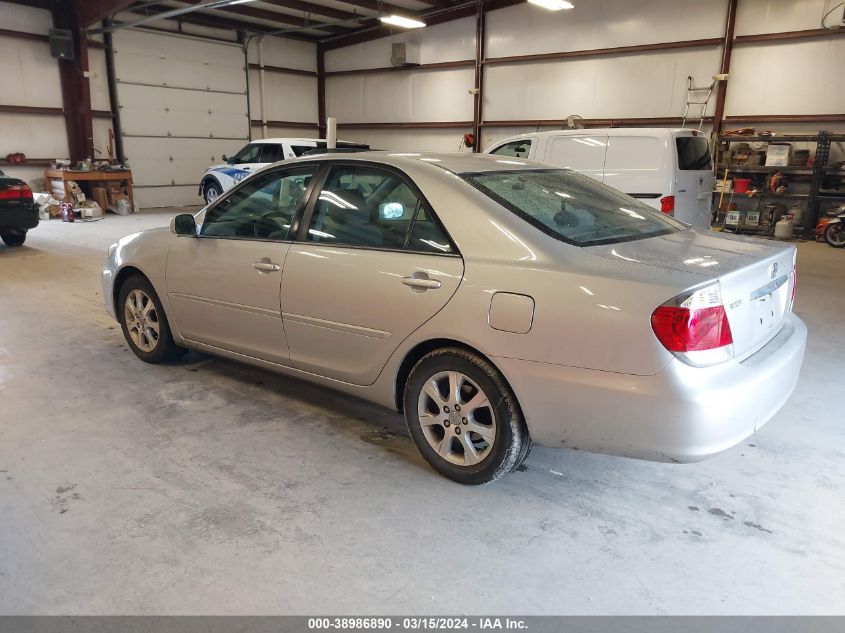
(681, 414)
(18, 217)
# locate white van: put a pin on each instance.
(668, 169)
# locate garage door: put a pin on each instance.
(183, 104)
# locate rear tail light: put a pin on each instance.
(667, 205)
(16, 192)
(694, 327)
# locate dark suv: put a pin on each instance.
(18, 211)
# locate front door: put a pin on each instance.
(223, 284)
(373, 265)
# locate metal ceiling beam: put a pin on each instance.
(204, 19)
(168, 12)
(92, 11)
(440, 4)
(432, 17)
(381, 7)
(284, 19)
(315, 9)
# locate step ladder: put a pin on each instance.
(693, 99)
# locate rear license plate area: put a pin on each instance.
(764, 311)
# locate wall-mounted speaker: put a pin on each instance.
(61, 44)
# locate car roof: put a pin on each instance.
(293, 140)
(456, 162)
(609, 131)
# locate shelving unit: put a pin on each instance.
(816, 179)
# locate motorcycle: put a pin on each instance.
(834, 231)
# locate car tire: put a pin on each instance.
(144, 322)
(834, 234)
(464, 418)
(211, 191)
(13, 238)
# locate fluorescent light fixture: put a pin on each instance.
(405, 23)
(553, 5)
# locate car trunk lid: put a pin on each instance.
(756, 277)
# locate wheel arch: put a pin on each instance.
(120, 278)
(421, 349)
(207, 179)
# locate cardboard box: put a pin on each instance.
(99, 195)
(90, 210)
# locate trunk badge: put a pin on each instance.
(774, 271)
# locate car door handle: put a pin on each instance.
(421, 282)
(266, 267)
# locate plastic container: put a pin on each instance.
(796, 214)
(741, 185)
(784, 228)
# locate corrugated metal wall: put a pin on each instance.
(795, 77)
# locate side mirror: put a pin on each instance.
(225, 158)
(183, 224)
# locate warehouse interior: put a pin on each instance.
(206, 486)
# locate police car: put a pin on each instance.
(256, 156)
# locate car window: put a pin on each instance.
(572, 207)
(247, 154)
(366, 206)
(262, 208)
(299, 150)
(693, 153)
(363, 206)
(271, 153)
(518, 149)
(426, 234)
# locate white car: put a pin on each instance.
(668, 169)
(257, 155)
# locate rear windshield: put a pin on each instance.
(572, 207)
(693, 153)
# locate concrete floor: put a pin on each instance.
(209, 487)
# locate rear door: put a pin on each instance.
(372, 265)
(694, 180)
(639, 166)
(583, 153)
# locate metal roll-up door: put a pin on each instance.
(183, 104)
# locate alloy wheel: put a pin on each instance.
(142, 322)
(457, 418)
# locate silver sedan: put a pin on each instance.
(497, 303)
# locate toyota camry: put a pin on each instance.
(496, 302)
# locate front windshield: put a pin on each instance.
(572, 207)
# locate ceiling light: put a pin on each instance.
(553, 5)
(405, 23)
